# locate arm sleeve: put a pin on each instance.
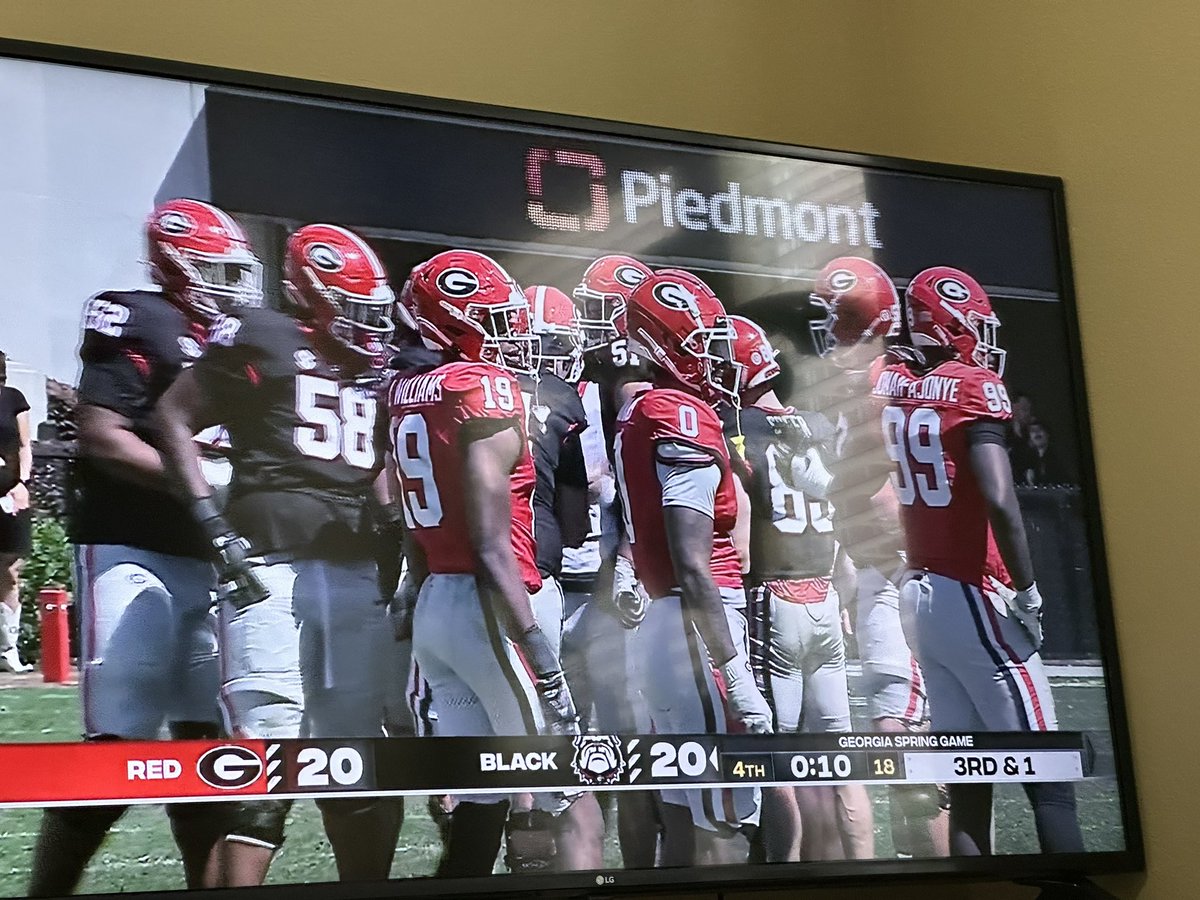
(987, 431)
(572, 470)
(20, 404)
(689, 485)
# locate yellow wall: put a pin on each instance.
(1102, 92)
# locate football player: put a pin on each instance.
(860, 309)
(466, 483)
(969, 603)
(302, 633)
(603, 599)
(556, 417)
(794, 609)
(677, 491)
(149, 652)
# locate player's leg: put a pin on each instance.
(192, 710)
(1007, 681)
(448, 628)
(619, 708)
(896, 698)
(683, 698)
(125, 613)
(343, 642)
(827, 710)
(261, 697)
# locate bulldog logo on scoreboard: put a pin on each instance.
(598, 759)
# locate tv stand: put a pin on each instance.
(1069, 888)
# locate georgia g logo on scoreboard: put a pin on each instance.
(229, 767)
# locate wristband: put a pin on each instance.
(538, 652)
(208, 515)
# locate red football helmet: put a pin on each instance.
(338, 283)
(468, 305)
(947, 308)
(201, 259)
(753, 354)
(859, 302)
(677, 321)
(553, 321)
(603, 296)
(405, 312)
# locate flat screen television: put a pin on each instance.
(633, 510)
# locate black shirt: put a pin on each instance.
(12, 404)
(555, 418)
(307, 434)
(791, 535)
(135, 343)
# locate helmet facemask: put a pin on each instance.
(507, 339)
(597, 317)
(560, 354)
(217, 284)
(987, 352)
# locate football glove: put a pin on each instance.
(402, 606)
(629, 597)
(809, 475)
(557, 705)
(1026, 605)
(236, 579)
(744, 698)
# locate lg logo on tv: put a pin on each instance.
(605, 880)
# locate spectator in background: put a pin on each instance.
(1045, 465)
(1020, 452)
(16, 465)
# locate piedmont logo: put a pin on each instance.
(229, 767)
(598, 759)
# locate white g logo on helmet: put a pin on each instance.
(326, 258)
(629, 276)
(175, 222)
(952, 289)
(842, 280)
(458, 283)
(673, 295)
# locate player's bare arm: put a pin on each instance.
(178, 416)
(993, 472)
(689, 538)
(487, 463)
(180, 413)
(741, 532)
(108, 439)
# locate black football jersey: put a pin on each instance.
(610, 367)
(791, 534)
(308, 438)
(410, 356)
(555, 419)
(135, 343)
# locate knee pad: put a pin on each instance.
(920, 802)
(258, 822)
(529, 844)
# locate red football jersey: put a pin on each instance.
(669, 416)
(428, 412)
(925, 423)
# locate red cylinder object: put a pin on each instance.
(56, 635)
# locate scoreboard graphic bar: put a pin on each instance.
(157, 771)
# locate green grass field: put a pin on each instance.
(139, 854)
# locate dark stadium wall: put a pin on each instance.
(1101, 93)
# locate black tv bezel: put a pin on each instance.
(745, 877)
